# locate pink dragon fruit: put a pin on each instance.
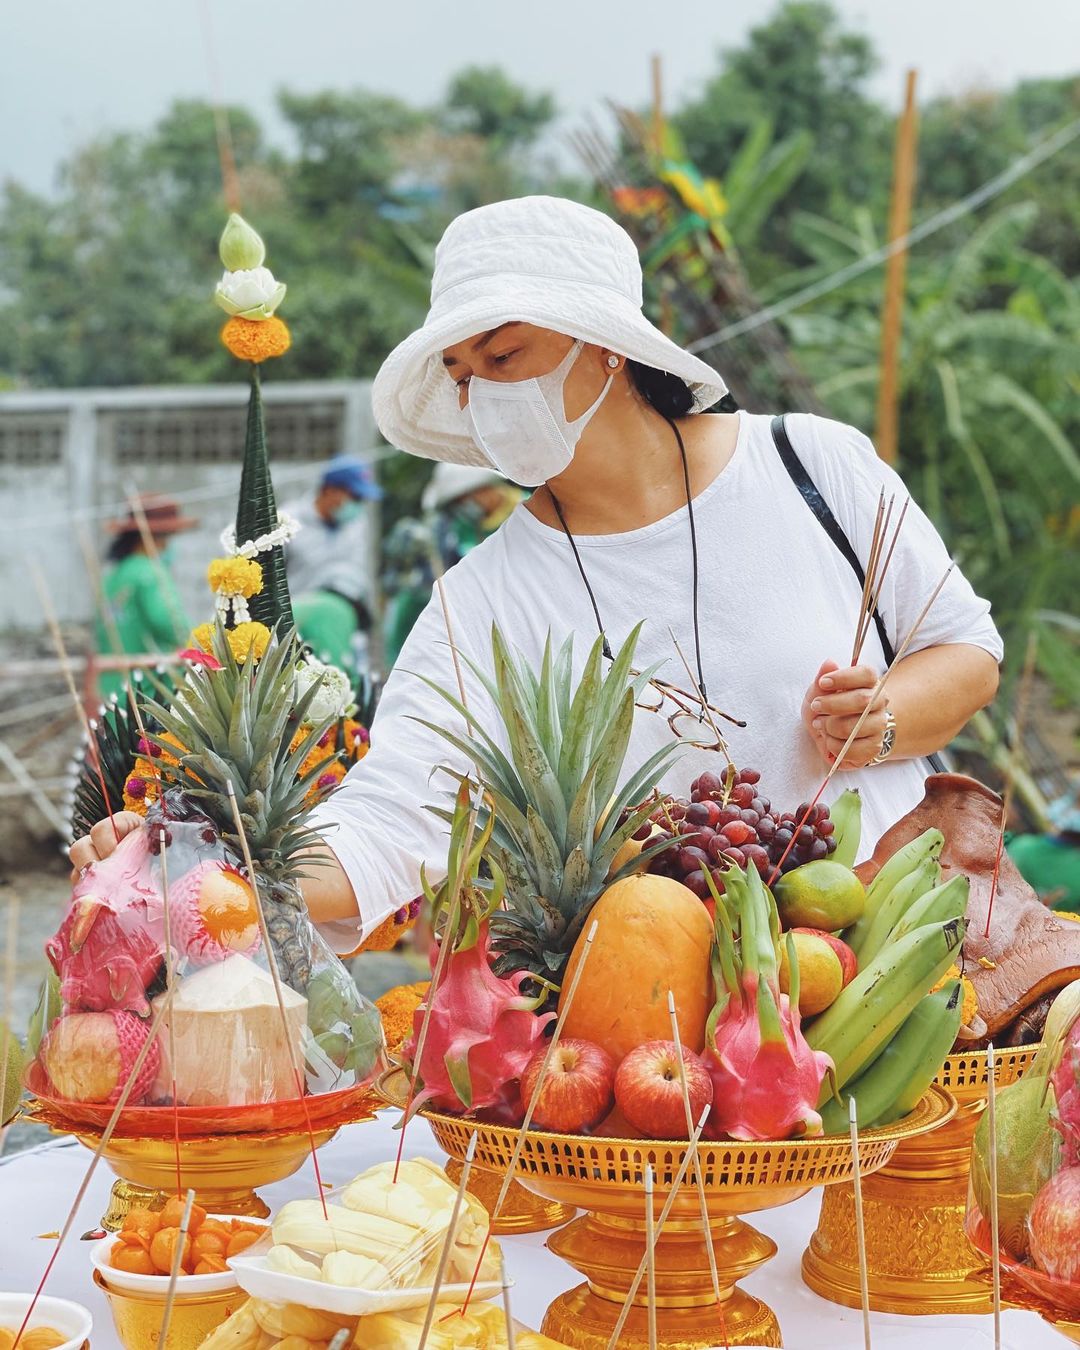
(482, 1033)
(766, 1079)
(89, 1056)
(1066, 1080)
(109, 947)
(212, 914)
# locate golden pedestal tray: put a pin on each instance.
(224, 1169)
(522, 1211)
(604, 1177)
(918, 1256)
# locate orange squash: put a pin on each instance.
(653, 934)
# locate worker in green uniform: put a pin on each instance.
(144, 612)
(1050, 863)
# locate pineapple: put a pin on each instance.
(238, 725)
(558, 812)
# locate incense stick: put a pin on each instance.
(9, 994)
(875, 596)
(650, 1256)
(80, 1194)
(834, 767)
(511, 1334)
(170, 1034)
(271, 961)
(635, 1284)
(448, 1242)
(545, 1064)
(699, 1180)
(995, 1244)
(1023, 694)
(61, 651)
(174, 1272)
(868, 578)
(860, 1228)
(706, 709)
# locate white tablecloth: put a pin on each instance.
(36, 1189)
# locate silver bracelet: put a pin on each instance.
(888, 738)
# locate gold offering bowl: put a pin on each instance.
(918, 1257)
(193, 1318)
(604, 1177)
(224, 1169)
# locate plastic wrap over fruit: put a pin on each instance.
(1038, 1166)
(375, 1235)
(166, 936)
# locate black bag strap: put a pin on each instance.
(811, 495)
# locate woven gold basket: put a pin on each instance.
(918, 1256)
(604, 1177)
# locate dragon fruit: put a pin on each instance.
(766, 1079)
(1066, 1080)
(109, 947)
(89, 1056)
(212, 914)
(482, 1033)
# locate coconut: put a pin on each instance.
(1028, 1153)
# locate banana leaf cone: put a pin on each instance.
(256, 515)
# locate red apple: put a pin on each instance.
(849, 962)
(649, 1093)
(578, 1088)
(1054, 1223)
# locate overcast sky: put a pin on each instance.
(70, 69)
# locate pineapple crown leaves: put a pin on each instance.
(567, 747)
(235, 725)
(479, 898)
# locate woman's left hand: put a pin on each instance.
(833, 704)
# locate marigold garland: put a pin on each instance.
(235, 576)
(256, 340)
(141, 787)
(397, 1007)
(355, 741)
(970, 1004)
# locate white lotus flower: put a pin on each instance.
(335, 696)
(251, 293)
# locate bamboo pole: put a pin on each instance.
(657, 66)
(895, 270)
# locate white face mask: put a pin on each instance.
(521, 425)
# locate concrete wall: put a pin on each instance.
(70, 458)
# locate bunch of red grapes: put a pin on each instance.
(727, 821)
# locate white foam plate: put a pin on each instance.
(258, 1280)
(158, 1284)
(69, 1319)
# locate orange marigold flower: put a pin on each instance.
(397, 1007)
(256, 339)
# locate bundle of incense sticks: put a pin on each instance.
(882, 547)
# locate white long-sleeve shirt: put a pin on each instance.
(776, 599)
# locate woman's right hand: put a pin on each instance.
(102, 840)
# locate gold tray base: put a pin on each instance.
(223, 1170)
(522, 1212)
(918, 1257)
(608, 1249)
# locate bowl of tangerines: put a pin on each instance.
(133, 1267)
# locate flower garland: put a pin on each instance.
(287, 528)
(234, 580)
(142, 787)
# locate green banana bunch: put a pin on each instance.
(903, 861)
(923, 877)
(948, 900)
(857, 1027)
(846, 815)
(892, 1086)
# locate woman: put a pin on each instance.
(537, 360)
(144, 612)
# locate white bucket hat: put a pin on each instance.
(538, 260)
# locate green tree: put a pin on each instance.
(801, 72)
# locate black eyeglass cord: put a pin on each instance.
(693, 549)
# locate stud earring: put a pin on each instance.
(613, 362)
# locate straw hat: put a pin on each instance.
(162, 516)
(539, 260)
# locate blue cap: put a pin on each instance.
(354, 475)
